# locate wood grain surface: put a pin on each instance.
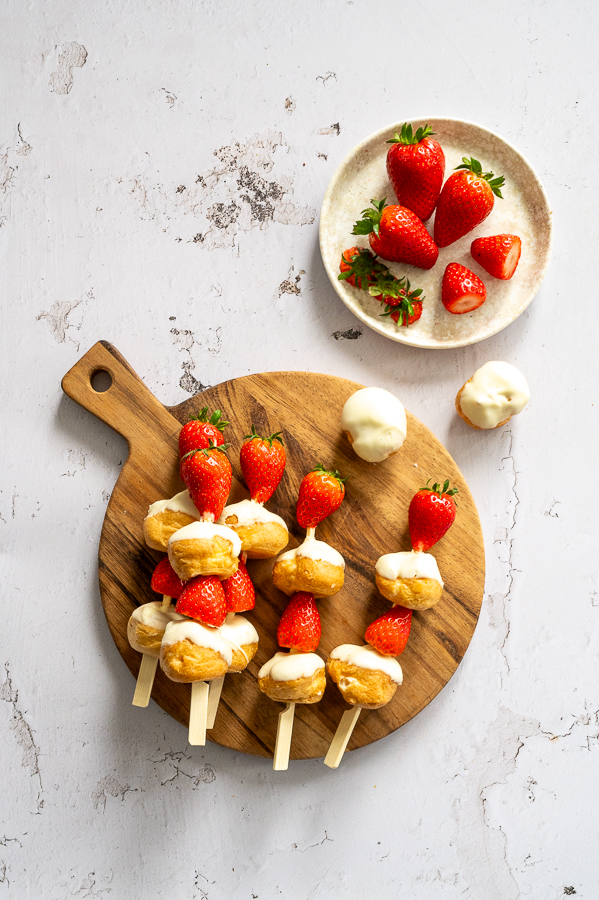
(372, 520)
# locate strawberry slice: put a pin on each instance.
(165, 580)
(461, 290)
(299, 627)
(499, 254)
(239, 590)
(390, 632)
(203, 599)
(262, 462)
(321, 493)
(431, 514)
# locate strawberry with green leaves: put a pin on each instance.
(262, 464)
(240, 594)
(359, 267)
(299, 628)
(207, 475)
(499, 254)
(431, 514)
(467, 198)
(397, 234)
(402, 305)
(416, 166)
(165, 580)
(321, 493)
(203, 599)
(201, 430)
(390, 632)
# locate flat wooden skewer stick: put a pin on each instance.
(198, 713)
(147, 671)
(283, 743)
(216, 687)
(342, 736)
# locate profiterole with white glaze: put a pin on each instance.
(375, 424)
(411, 579)
(496, 392)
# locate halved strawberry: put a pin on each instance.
(461, 290)
(390, 632)
(200, 430)
(359, 266)
(165, 580)
(203, 599)
(239, 590)
(299, 627)
(498, 255)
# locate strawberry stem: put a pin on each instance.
(406, 136)
(332, 472)
(222, 449)
(473, 165)
(437, 489)
(214, 419)
(371, 218)
(274, 437)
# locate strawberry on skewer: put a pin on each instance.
(431, 514)
(201, 431)
(299, 627)
(207, 475)
(321, 493)
(262, 464)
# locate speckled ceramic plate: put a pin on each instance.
(524, 211)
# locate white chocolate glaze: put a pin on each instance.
(317, 550)
(376, 421)
(205, 531)
(198, 634)
(291, 666)
(496, 391)
(179, 503)
(239, 632)
(367, 657)
(154, 616)
(411, 564)
(249, 512)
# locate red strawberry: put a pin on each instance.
(498, 255)
(359, 266)
(239, 590)
(431, 514)
(200, 430)
(207, 475)
(461, 290)
(416, 166)
(299, 627)
(321, 493)
(262, 463)
(165, 580)
(402, 304)
(397, 234)
(203, 599)
(389, 634)
(466, 200)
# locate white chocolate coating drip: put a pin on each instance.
(198, 634)
(154, 616)
(205, 531)
(249, 512)
(179, 503)
(496, 391)
(239, 632)
(367, 657)
(411, 564)
(317, 550)
(377, 423)
(291, 666)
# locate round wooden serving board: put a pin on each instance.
(372, 520)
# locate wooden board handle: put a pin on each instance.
(127, 406)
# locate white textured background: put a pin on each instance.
(161, 170)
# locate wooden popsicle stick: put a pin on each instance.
(166, 603)
(342, 736)
(216, 687)
(198, 713)
(145, 680)
(283, 743)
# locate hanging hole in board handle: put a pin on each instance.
(101, 381)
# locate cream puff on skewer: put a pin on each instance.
(167, 516)
(496, 392)
(375, 424)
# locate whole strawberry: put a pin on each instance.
(239, 590)
(466, 200)
(390, 632)
(203, 599)
(207, 475)
(359, 267)
(499, 254)
(416, 166)
(262, 463)
(403, 305)
(431, 514)
(461, 290)
(165, 580)
(201, 430)
(397, 234)
(321, 493)
(299, 627)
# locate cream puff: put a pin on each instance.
(204, 548)
(243, 638)
(409, 579)
(314, 566)
(293, 677)
(147, 625)
(191, 651)
(167, 516)
(496, 392)
(262, 533)
(363, 675)
(374, 422)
